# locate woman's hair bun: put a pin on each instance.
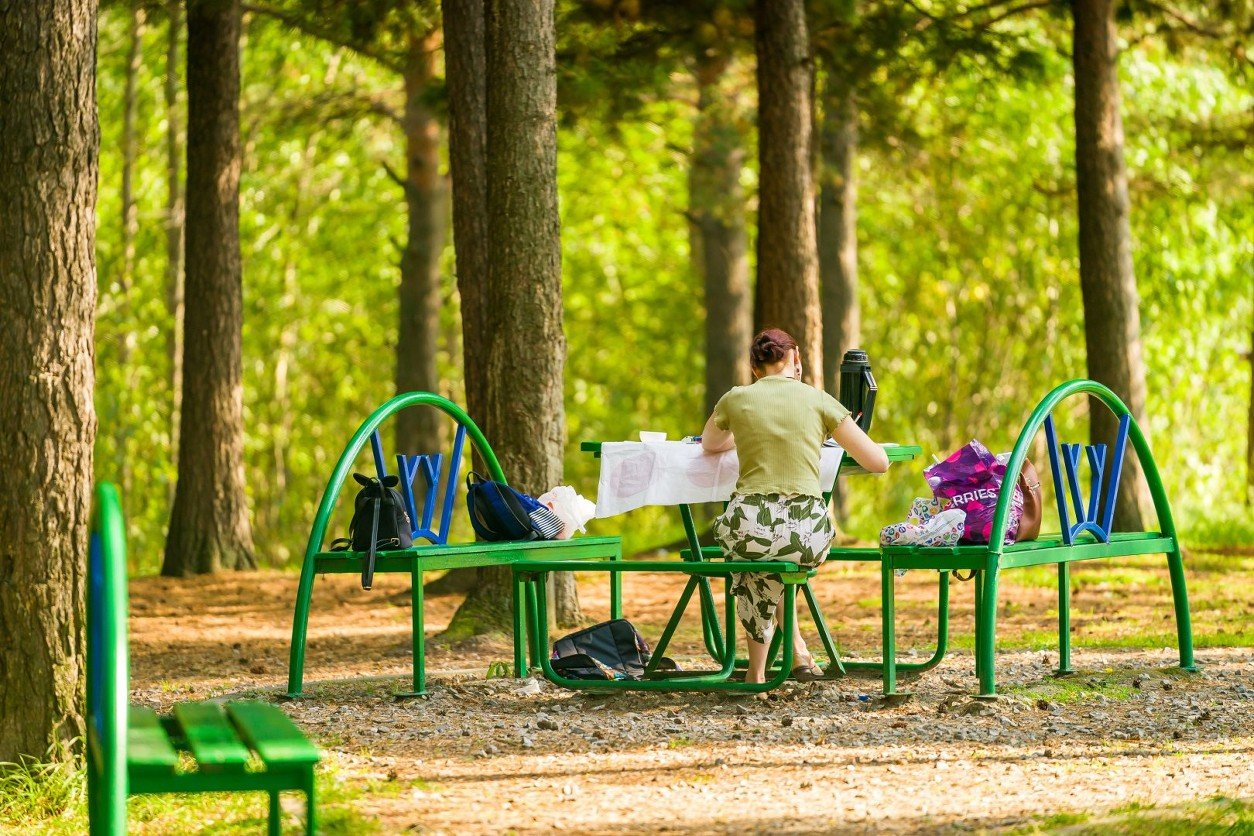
(770, 346)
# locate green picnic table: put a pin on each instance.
(700, 563)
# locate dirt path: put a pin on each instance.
(1128, 732)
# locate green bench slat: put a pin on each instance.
(210, 737)
(269, 731)
(148, 748)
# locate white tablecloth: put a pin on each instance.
(639, 473)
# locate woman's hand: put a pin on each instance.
(859, 445)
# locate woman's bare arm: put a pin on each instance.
(859, 445)
(715, 440)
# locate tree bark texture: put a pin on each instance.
(465, 66)
(419, 430)
(838, 228)
(209, 525)
(788, 278)
(174, 222)
(522, 302)
(49, 142)
(129, 230)
(1112, 319)
(716, 214)
(1249, 432)
(465, 72)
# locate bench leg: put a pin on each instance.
(888, 621)
(672, 625)
(300, 627)
(978, 591)
(616, 588)
(1064, 620)
(522, 630)
(419, 634)
(535, 588)
(311, 804)
(274, 822)
(1180, 598)
(986, 637)
(825, 636)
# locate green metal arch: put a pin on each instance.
(1033, 425)
(360, 438)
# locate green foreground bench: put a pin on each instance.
(1085, 534)
(199, 747)
(435, 555)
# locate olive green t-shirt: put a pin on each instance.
(779, 425)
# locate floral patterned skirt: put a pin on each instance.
(770, 527)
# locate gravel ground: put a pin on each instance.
(480, 755)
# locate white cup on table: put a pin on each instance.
(647, 436)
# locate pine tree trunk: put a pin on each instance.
(130, 231)
(209, 526)
(174, 224)
(1249, 433)
(838, 228)
(1112, 320)
(465, 65)
(49, 141)
(419, 430)
(523, 410)
(716, 212)
(788, 278)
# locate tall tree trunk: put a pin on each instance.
(418, 430)
(716, 212)
(465, 65)
(174, 224)
(1249, 432)
(788, 278)
(1112, 320)
(838, 238)
(523, 407)
(49, 142)
(130, 231)
(838, 228)
(209, 526)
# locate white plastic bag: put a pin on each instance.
(572, 509)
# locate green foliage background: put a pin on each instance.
(967, 233)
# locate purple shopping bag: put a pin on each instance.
(971, 478)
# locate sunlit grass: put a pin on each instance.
(51, 798)
(1212, 817)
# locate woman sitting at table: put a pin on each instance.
(777, 425)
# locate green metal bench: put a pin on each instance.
(437, 554)
(1089, 537)
(242, 746)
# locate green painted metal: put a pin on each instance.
(419, 559)
(1064, 618)
(210, 737)
(108, 671)
(131, 751)
(270, 733)
(721, 649)
(989, 560)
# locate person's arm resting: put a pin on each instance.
(716, 439)
(858, 444)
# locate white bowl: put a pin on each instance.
(651, 436)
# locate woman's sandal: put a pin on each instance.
(807, 673)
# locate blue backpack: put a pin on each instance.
(498, 512)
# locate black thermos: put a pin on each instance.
(857, 387)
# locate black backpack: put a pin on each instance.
(379, 522)
(609, 650)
